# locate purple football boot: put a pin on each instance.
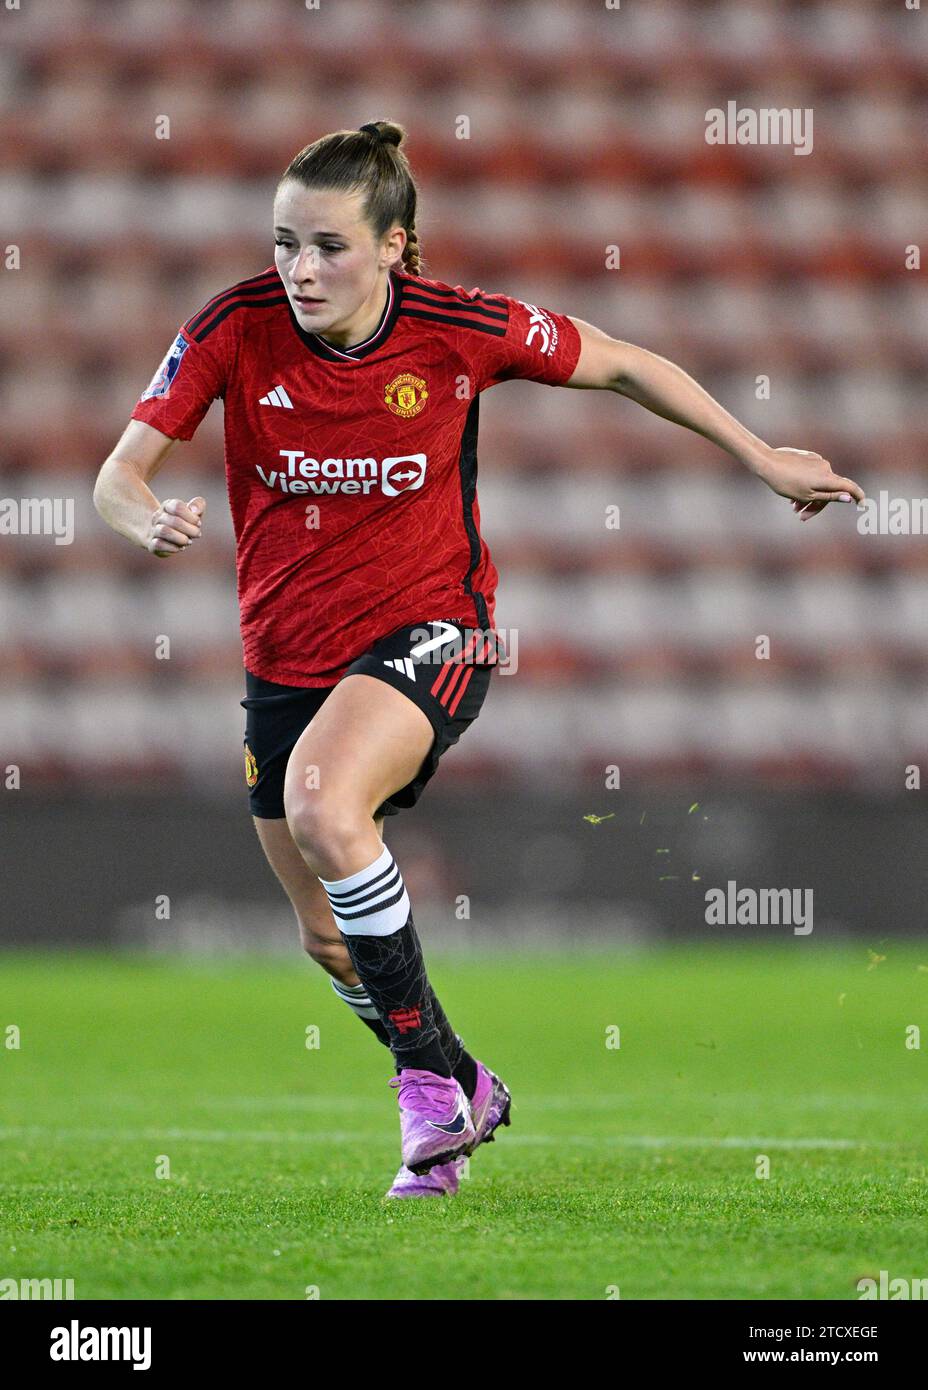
(490, 1106)
(441, 1181)
(435, 1119)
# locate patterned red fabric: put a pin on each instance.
(352, 474)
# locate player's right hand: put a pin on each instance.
(175, 526)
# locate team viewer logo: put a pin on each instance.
(251, 767)
(406, 395)
(301, 473)
(402, 474)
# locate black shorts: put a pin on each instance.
(447, 682)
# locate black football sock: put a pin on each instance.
(372, 912)
(462, 1064)
(463, 1067)
(464, 1072)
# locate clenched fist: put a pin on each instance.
(175, 525)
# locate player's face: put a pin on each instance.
(327, 257)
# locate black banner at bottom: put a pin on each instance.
(158, 1337)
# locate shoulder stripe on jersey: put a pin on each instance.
(452, 303)
(456, 309)
(267, 300)
(414, 283)
(475, 324)
(257, 285)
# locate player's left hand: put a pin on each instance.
(807, 479)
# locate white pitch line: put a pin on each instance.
(250, 1136)
(527, 1104)
(671, 1141)
(194, 1136)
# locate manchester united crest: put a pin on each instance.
(406, 395)
(251, 767)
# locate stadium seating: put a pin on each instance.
(586, 131)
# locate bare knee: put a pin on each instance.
(326, 831)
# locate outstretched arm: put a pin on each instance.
(610, 365)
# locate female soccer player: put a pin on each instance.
(351, 388)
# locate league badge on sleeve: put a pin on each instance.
(161, 381)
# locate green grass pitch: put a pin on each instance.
(630, 1168)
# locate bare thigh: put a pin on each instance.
(319, 935)
(366, 742)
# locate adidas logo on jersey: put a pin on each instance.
(403, 665)
(277, 396)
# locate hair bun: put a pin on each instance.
(384, 131)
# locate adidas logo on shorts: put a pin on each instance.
(404, 665)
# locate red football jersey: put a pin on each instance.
(352, 474)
